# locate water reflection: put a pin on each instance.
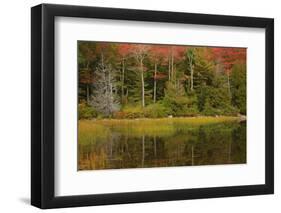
(202, 145)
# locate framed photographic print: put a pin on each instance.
(139, 106)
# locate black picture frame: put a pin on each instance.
(43, 102)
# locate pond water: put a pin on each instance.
(184, 145)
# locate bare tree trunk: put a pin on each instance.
(228, 84)
(127, 94)
(191, 77)
(109, 84)
(190, 59)
(177, 82)
(142, 83)
(140, 54)
(155, 82)
(175, 79)
(102, 62)
(122, 79)
(87, 86)
(107, 88)
(169, 70)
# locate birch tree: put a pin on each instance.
(140, 52)
(191, 60)
(157, 53)
(155, 82)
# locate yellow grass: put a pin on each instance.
(92, 130)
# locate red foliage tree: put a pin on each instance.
(229, 56)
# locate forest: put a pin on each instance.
(129, 81)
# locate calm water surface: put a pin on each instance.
(210, 144)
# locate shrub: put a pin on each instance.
(130, 112)
(119, 115)
(230, 110)
(222, 109)
(181, 106)
(210, 111)
(86, 112)
(215, 101)
(189, 111)
(243, 109)
(156, 110)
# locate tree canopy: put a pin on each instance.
(122, 80)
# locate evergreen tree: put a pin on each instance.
(160, 80)
(238, 89)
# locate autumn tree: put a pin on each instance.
(157, 54)
(86, 57)
(142, 80)
(228, 57)
(124, 53)
(140, 52)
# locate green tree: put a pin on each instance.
(177, 100)
(238, 87)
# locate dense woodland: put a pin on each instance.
(120, 80)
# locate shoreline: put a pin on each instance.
(241, 118)
(154, 122)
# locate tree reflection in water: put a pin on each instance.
(202, 145)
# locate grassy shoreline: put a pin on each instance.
(195, 119)
(90, 130)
